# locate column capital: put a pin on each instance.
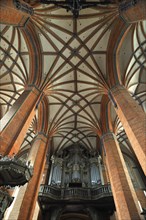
(116, 88)
(33, 88)
(105, 138)
(41, 136)
(107, 135)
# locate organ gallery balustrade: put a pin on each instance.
(54, 193)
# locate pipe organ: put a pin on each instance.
(76, 167)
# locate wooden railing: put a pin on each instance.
(75, 193)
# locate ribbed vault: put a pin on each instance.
(73, 72)
(15, 66)
(74, 56)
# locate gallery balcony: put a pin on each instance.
(14, 172)
(49, 195)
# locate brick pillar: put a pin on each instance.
(123, 192)
(38, 160)
(104, 170)
(133, 10)
(14, 12)
(16, 122)
(133, 120)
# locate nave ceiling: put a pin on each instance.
(73, 71)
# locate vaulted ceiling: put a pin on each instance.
(74, 74)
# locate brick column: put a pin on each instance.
(104, 170)
(133, 10)
(14, 12)
(16, 122)
(133, 120)
(38, 159)
(123, 192)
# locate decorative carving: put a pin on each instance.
(75, 166)
(23, 7)
(16, 171)
(53, 193)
